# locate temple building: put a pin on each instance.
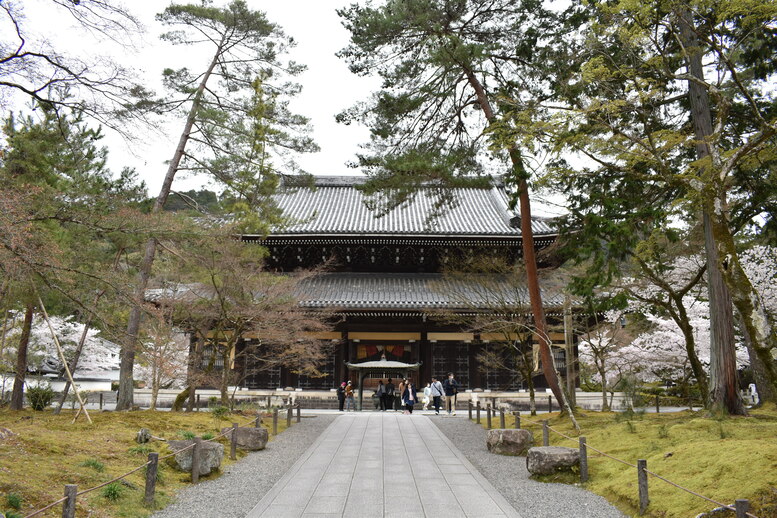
(399, 284)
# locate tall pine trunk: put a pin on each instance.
(723, 394)
(127, 360)
(17, 395)
(529, 258)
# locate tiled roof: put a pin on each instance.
(336, 207)
(396, 291)
(349, 290)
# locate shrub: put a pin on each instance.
(220, 412)
(112, 491)
(187, 435)
(208, 436)
(13, 501)
(40, 397)
(11, 514)
(663, 432)
(94, 464)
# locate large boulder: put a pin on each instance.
(211, 454)
(546, 460)
(509, 441)
(249, 438)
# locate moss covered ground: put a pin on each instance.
(723, 459)
(45, 452)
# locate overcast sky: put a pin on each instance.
(328, 85)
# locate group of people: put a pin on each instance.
(405, 397)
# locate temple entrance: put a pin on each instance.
(382, 369)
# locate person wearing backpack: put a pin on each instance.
(437, 392)
(451, 387)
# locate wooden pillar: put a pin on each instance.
(475, 376)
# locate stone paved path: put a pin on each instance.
(383, 464)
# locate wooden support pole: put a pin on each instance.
(642, 482)
(550, 404)
(469, 409)
(198, 402)
(233, 442)
(488, 416)
(658, 409)
(196, 460)
(151, 475)
(583, 460)
(545, 433)
(502, 418)
(299, 413)
(477, 411)
(517, 415)
(742, 507)
(69, 505)
(288, 417)
(82, 405)
(101, 400)
(275, 421)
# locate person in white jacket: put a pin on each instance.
(427, 395)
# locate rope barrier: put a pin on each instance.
(36, 513)
(656, 475)
(85, 491)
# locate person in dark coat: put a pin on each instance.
(451, 386)
(389, 395)
(409, 396)
(341, 396)
(380, 393)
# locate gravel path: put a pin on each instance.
(509, 475)
(244, 483)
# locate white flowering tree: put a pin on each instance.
(760, 264)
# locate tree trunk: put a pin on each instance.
(191, 371)
(724, 394)
(763, 387)
(529, 257)
(681, 319)
(603, 374)
(17, 396)
(569, 347)
(127, 363)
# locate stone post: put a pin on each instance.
(742, 506)
(196, 460)
(69, 505)
(275, 421)
(643, 485)
(502, 418)
(517, 415)
(583, 460)
(488, 416)
(477, 411)
(233, 442)
(151, 474)
(545, 433)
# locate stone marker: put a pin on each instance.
(250, 438)
(509, 441)
(211, 454)
(144, 435)
(546, 460)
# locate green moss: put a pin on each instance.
(46, 451)
(723, 459)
